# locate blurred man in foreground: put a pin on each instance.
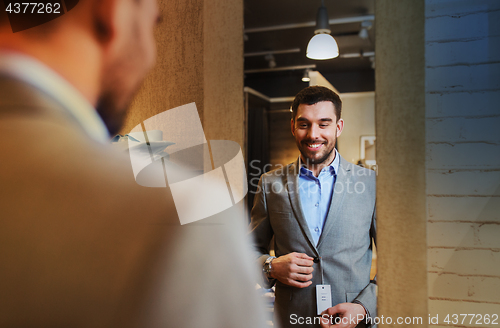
(81, 244)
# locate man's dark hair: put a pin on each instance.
(4, 19)
(315, 94)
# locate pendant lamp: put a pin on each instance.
(322, 45)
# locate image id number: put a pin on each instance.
(33, 8)
(477, 319)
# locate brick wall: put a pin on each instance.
(463, 158)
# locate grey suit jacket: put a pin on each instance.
(83, 245)
(344, 250)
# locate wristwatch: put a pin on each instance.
(267, 266)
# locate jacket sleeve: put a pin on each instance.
(261, 229)
(368, 296)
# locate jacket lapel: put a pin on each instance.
(292, 184)
(337, 198)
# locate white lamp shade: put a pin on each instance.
(322, 46)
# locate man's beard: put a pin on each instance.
(111, 113)
(314, 161)
(118, 90)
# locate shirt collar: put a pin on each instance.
(333, 167)
(35, 73)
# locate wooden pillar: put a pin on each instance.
(200, 59)
(401, 189)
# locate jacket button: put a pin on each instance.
(316, 260)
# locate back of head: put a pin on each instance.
(315, 94)
(4, 19)
(30, 23)
(103, 48)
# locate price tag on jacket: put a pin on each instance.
(323, 298)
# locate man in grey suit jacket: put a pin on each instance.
(81, 243)
(321, 212)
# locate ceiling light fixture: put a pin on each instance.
(305, 77)
(372, 60)
(363, 34)
(365, 26)
(271, 61)
(322, 45)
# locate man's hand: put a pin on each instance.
(294, 269)
(348, 315)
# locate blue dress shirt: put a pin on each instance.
(316, 194)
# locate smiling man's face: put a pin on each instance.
(316, 129)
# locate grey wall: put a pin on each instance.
(462, 44)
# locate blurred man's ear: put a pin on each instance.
(105, 16)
